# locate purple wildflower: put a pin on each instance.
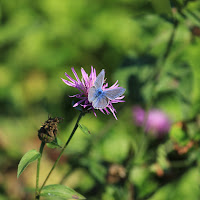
(155, 121)
(83, 85)
(138, 115)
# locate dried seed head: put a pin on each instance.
(48, 131)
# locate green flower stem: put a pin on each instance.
(63, 149)
(38, 170)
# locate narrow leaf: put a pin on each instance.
(61, 191)
(84, 129)
(162, 6)
(29, 157)
(55, 144)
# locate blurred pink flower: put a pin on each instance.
(138, 115)
(83, 85)
(155, 121)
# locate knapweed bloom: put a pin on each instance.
(155, 122)
(94, 92)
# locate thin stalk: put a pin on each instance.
(156, 76)
(38, 170)
(170, 42)
(63, 149)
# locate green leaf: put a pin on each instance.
(162, 157)
(171, 104)
(28, 158)
(62, 191)
(143, 181)
(178, 135)
(118, 142)
(98, 171)
(55, 144)
(161, 6)
(187, 187)
(84, 129)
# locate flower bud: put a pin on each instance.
(48, 131)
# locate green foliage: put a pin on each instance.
(97, 170)
(60, 191)
(143, 180)
(109, 147)
(28, 158)
(57, 143)
(186, 187)
(178, 135)
(84, 129)
(162, 7)
(150, 47)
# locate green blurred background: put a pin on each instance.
(151, 47)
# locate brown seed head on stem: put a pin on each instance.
(48, 131)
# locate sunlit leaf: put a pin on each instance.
(162, 157)
(84, 129)
(178, 135)
(29, 157)
(161, 6)
(171, 104)
(98, 171)
(186, 188)
(61, 191)
(55, 144)
(141, 177)
(115, 148)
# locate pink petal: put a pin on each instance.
(94, 112)
(70, 78)
(120, 97)
(107, 112)
(93, 73)
(118, 101)
(76, 104)
(84, 75)
(114, 85)
(68, 83)
(113, 112)
(75, 74)
(102, 111)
